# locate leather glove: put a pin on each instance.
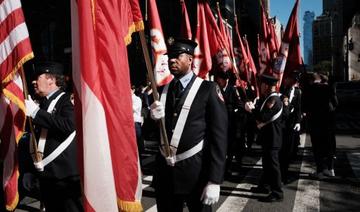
(39, 166)
(157, 110)
(210, 194)
(249, 106)
(31, 107)
(297, 127)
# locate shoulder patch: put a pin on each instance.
(219, 94)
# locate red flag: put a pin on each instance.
(15, 50)
(222, 27)
(263, 45)
(223, 57)
(252, 73)
(289, 57)
(274, 45)
(105, 126)
(185, 24)
(240, 54)
(202, 54)
(161, 70)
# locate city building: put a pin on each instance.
(336, 20)
(352, 49)
(307, 38)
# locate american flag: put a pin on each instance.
(15, 50)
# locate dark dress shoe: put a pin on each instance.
(260, 190)
(271, 198)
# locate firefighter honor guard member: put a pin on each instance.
(55, 135)
(268, 115)
(196, 126)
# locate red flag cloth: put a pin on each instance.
(185, 23)
(223, 61)
(161, 70)
(289, 57)
(252, 72)
(105, 127)
(222, 27)
(263, 45)
(202, 63)
(240, 54)
(15, 50)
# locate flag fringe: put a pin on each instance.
(134, 27)
(17, 67)
(128, 206)
(13, 98)
(14, 203)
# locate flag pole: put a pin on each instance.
(32, 138)
(154, 89)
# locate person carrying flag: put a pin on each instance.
(55, 135)
(196, 126)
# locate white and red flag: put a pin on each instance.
(161, 70)
(240, 55)
(108, 154)
(15, 50)
(202, 56)
(263, 45)
(209, 39)
(289, 57)
(251, 72)
(185, 29)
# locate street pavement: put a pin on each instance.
(304, 193)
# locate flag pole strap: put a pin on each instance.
(32, 139)
(154, 89)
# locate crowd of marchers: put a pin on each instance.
(272, 116)
(208, 127)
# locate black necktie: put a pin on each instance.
(177, 90)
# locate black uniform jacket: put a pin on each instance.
(270, 136)
(207, 120)
(60, 124)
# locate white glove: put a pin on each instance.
(210, 194)
(31, 107)
(297, 127)
(249, 106)
(39, 166)
(157, 110)
(170, 160)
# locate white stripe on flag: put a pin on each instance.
(7, 7)
(18, 34)
(18, 81)
(99, 185)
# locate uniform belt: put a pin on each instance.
(185, 155)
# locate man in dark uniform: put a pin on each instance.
(55, 134)
(193, 171)
(235, 109)
(268, 114)
(291, 133)
(319, 109)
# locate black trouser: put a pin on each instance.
(61, 195)
(167, 201)
(271, 171)
(286, 152)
